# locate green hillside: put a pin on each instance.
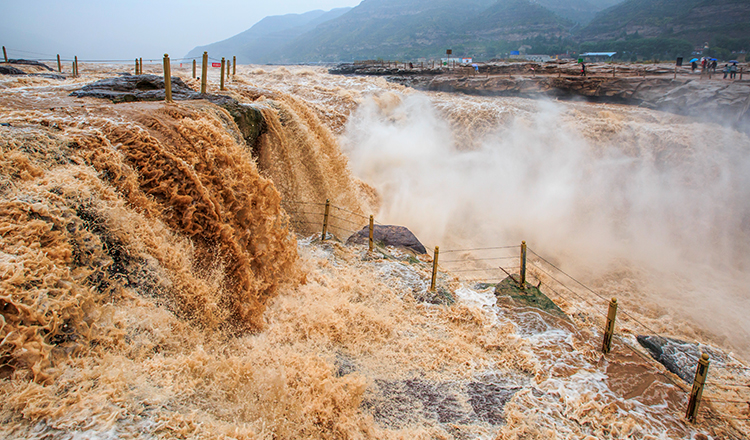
(697, 21)
(486, 29)
(392, 29)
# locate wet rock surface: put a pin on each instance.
(10, 70)
(389, 235)
(651, 86)
(131, 88)
(679, 357)
(400, 403)
(529, 297)
(31, 63)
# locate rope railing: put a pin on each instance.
(324, 218)
(553, 279)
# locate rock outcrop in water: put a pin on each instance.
(679, 357)
(652, 87)
(131, 88)
(389, 235)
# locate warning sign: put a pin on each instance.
(215, 64)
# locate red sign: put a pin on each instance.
(215, 64)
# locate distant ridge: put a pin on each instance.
(260, 43)
(487, 29)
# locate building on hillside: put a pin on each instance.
(597, 56)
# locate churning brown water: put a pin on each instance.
(152, 287)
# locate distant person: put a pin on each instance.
(583, 68)
(713, 66)
(726, 70)
(411, 65)
(704, 65)
(694, 66)
(733, 71)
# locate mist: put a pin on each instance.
(600, 189)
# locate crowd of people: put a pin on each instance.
(708, 65)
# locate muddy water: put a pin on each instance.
(151, 286)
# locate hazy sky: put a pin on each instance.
(124, 30)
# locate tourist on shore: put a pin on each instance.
(694, 66)
(726, 70)
(583, 68)
(713, 66)
(733, 71)
(704, 64)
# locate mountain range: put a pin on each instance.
(486, 29)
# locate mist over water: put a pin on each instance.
(600, 188)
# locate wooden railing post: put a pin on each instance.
(372, 227)
(697, 392)
(76, 68)
(194, 63)
(137, 71)
(223, 66)
(5, 54)
(434, 268)
(204, 73)
(59, 64)
(325, 221)
(234, 65)
(140, 66)
(523, 265)
(609, 329)
(167, 79)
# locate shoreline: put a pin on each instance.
(654, 86)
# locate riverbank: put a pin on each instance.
(657, 86)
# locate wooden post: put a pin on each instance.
(223, 66)
(5, 54)
(740, 73)
(234, 65)
(140, 66)
(434, 268)
(609, 329)
(76, 63)
(372, 226)
(697, 392)
(325, 221)
(194, 63)
(675, 72)
(523, 265)
(204, 73)
(59, 64)
(167, 79)
(136, 67)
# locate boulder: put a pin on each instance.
(679, 357)
(10, 70)
(135, 88)
(32, 63)
(389, 235)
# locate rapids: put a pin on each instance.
(152, 284)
